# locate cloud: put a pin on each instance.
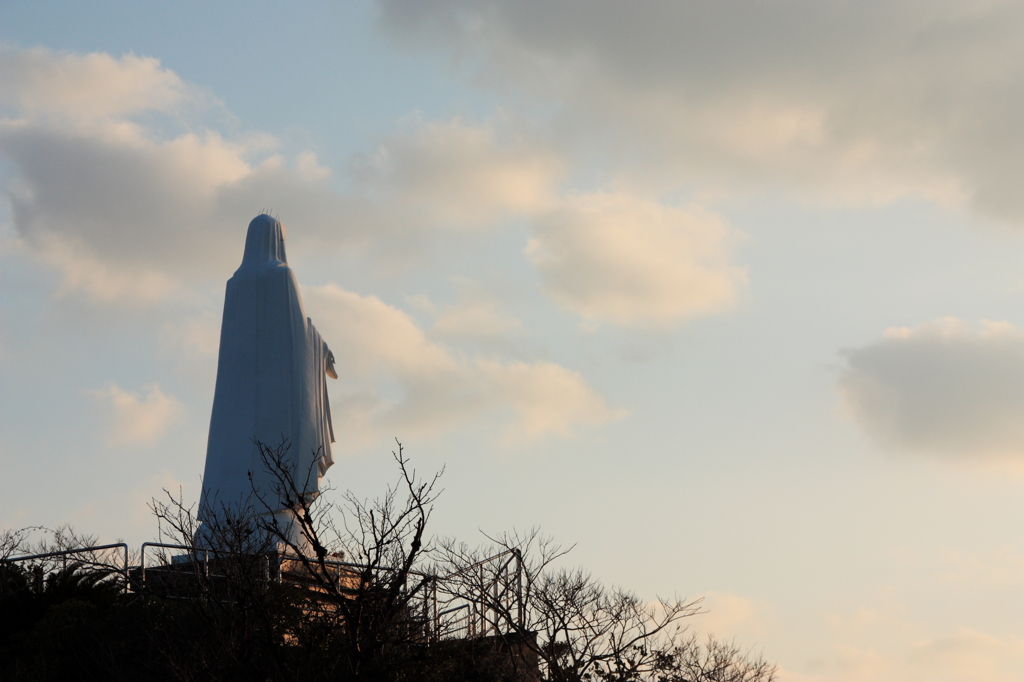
(726, 612)
(397, 380)
(618, 258)
(459, 175)
(970, 654)
(137, 420)
(882, 643)
(125, 214)
(475, 318)
(43, 82)
(851, 101)
(942, 387)
(963, 655)
(193, 338)
(126, 211)
(546, 398)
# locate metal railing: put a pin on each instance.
(480, 600)
(63, 555)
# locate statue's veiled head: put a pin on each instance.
(264, 243)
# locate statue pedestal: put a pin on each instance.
(291, 530)
(248, 533)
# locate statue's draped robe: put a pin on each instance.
(271, 386)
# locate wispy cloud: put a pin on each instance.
(852, 102)
(395, 377)
(619, 258)
(454, 174)
(137, 419)
(475, 318)
(44, 82)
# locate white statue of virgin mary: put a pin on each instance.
(270, 386)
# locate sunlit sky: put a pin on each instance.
(728, 295)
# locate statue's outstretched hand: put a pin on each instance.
(330, 366)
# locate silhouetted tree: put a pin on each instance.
(581, 630)
(349, 576)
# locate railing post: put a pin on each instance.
(426, 611)
(520, 615)
(142, 566)
(437, 616)
(127, 569)
(483, 602)
(494, 603)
